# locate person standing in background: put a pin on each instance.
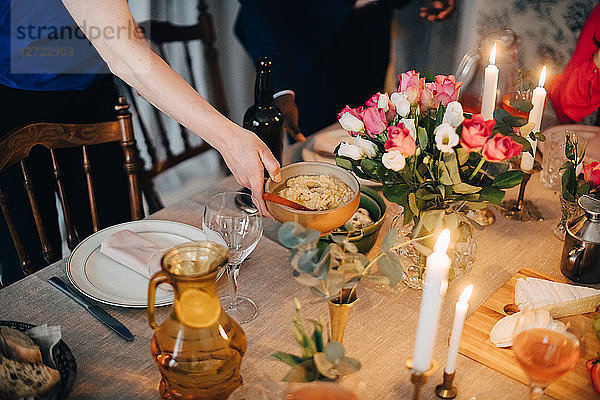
(575, 93)
(326, 54)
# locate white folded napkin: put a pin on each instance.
(133, 251)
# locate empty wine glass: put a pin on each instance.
(231, 219)
(545, 349)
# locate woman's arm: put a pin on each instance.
(132, 60)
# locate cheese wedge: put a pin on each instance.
(560, 299)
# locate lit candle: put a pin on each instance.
(436, 283)
(535, 115)
(490, 84)
(462, 306)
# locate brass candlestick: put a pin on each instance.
(419, 379)
(446, 390)
(522, 209)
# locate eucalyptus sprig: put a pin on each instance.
(328, 268)
(319, 360)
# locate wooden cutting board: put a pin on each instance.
(476, 344)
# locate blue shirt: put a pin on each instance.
(42, 48)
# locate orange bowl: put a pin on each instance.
(323, 221)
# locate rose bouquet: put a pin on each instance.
(432, 159)
(426, 152)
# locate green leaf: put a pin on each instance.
(463, 155)
(287, 358)
(334, 351)
(389, 266)
(492, 195)
(408, 214)
(465, 188)
(500, 114)
(452, 165)
(368, 165)
(569, 183)
(521, 105)
(445, 178)
(389, 240)
(412, 203)
(523, 142)
(584, 188)
(344, 163)
(515, 121)
(508, 179)
(396, 193)
(347, 366)
(540, 136)
(422, 137)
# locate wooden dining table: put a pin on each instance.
(380, 331)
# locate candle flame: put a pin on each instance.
(542, 77)
(466, 294)
(493, 55)
(442, 243)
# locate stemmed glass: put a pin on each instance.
(545, 353)
(231, 219)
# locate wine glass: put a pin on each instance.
(232, 219)
(545, 349)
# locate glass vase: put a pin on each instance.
(413, 251)
(569, 210)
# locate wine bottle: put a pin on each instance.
(263, 118)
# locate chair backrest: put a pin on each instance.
(15, 147)
(160, 34)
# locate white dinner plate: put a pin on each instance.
(103, 279)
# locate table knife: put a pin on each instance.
(93, 309)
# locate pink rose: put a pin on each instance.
(428, 102)
(591, 173)
(374, 120)
(446, 89)
(501, 148)
(411, 85)
(350, 119)
(475, 132)
(399, 139)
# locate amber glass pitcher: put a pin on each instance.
(198, 348)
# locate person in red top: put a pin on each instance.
(576, 92)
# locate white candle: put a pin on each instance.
(462, 305)
(490, 85)
(436, 283)
(535, 115)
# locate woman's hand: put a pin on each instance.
(247, 157)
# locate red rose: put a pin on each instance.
(501, 148)
(446, 89)
(399, 139)
(591, 173)
(374, 120)
(475, 132)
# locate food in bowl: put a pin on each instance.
(361, 219)
(317, 192)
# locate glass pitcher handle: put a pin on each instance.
(157, 279)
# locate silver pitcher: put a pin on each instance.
(581, 252)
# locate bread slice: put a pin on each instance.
(18, 379)
(18, 346)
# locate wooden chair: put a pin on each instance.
(161, 33)
(15, 147)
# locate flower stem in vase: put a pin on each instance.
(478, 168)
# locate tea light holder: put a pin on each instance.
(418, 379)
(446, 390)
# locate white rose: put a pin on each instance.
(350, 151)
(350, 123)
(454, 114)
(400, 101)
(579, 169)
(393, 160)
(383, 102)
(368, 148)
(445, 138)
(410, 125)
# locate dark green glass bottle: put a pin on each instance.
(263, 118)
